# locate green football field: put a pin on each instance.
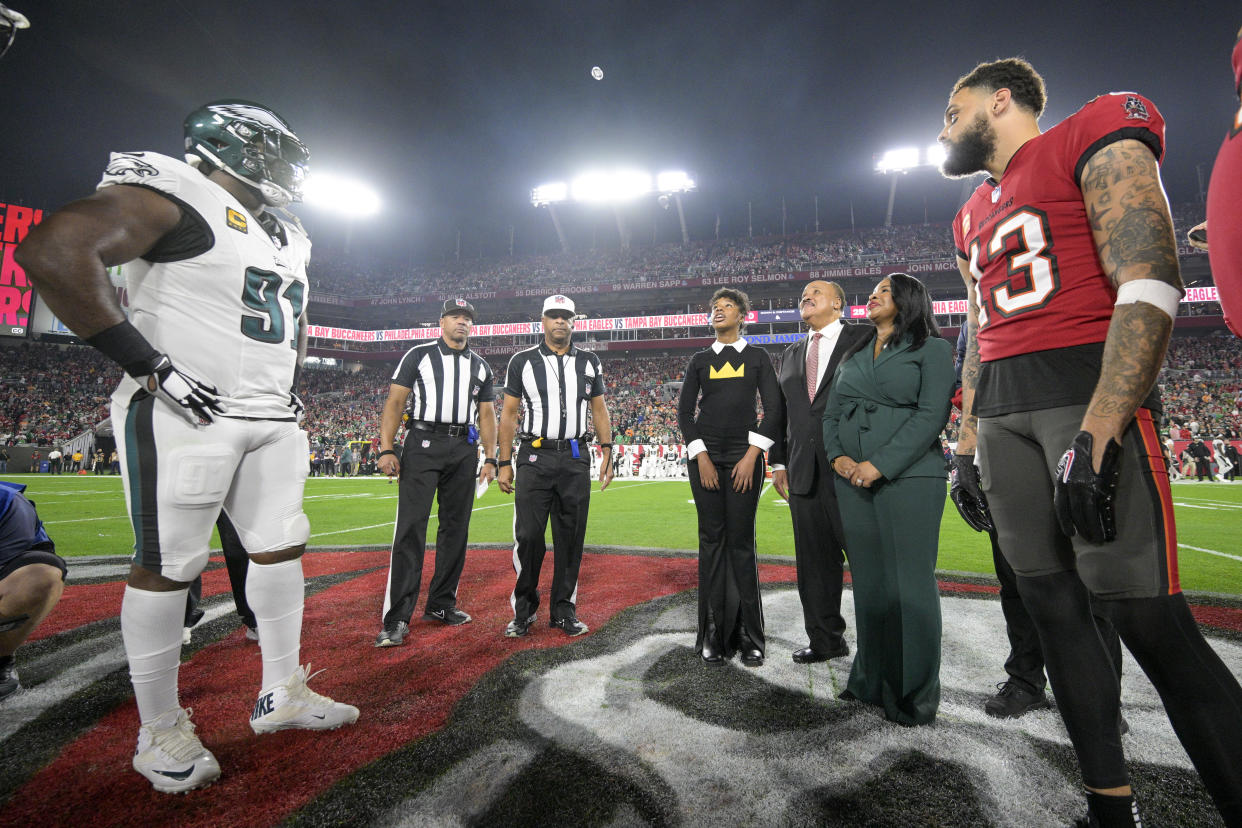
(85, 515)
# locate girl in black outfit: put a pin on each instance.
(725, 448)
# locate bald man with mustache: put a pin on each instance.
(805, 480)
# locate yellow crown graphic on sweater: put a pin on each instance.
(727, 371)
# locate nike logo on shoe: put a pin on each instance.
(262, 707)
(180, 776)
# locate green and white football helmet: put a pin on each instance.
(10, 22)
(251, 143)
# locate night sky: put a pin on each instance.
(453, 111)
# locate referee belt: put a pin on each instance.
(554, 445)
(440, 428)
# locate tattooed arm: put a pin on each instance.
(969, 427)
(1134, 237)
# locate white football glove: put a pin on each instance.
(191, 397)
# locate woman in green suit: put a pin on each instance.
(888, 404)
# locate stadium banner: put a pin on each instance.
(16, 293)
(616, 323)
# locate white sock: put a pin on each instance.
(274, 592)
(151, 629)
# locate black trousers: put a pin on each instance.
(432, 466)
(730, 607)
(551, 485)
(818, 545)
(238, 563)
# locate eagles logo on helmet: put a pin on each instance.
(253, 144)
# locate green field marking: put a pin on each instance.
(84, 519)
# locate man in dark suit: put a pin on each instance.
(806, 479)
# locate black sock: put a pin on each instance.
(1110, 811)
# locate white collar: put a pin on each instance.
(834, 325)
(719, 346)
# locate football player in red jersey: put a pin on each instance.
(1223, 209)
(1070, 264)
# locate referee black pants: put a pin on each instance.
(432, 465)
(555, 485)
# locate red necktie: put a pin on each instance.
(812, 364)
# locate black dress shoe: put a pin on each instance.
(752, 657)
(711, 653)
(808, 656)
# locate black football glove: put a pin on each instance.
(191, 397)
(967, 496)
(1084, 499)
(299, 410)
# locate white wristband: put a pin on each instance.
(1152, 291)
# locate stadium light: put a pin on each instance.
(902, 161)
(551, 193)
(341, 195)
(598, 187)
(898, 160)
(675, 181)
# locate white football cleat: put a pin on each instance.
(171, 757)
(290, 704)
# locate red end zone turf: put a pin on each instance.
(404, 693)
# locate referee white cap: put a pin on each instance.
(558, 303)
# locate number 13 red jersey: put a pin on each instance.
(1028, 239)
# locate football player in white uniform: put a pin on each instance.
(205, 414)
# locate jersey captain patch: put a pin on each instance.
(235, 220)
(727, 371)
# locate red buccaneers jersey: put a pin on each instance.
(1224, 210)
(1044, 301)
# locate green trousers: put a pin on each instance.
(892, 532)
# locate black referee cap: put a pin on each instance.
(458, 306)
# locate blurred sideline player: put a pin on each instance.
(1070, 264)
(205, 410)
(32, 578)
(237, 562)
(1224, 188)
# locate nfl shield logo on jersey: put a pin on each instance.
(534, 457)
(1135, 108)
(426, 444)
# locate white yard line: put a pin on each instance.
(1211, 552)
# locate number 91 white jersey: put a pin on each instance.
(219, 294)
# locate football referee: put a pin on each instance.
(555, 381)
(446, 385)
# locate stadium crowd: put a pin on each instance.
(50, 394)
(724, 257)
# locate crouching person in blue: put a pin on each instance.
(32, 577)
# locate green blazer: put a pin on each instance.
(891, 410)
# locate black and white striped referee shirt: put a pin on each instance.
(555, 388)
(446, 386)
